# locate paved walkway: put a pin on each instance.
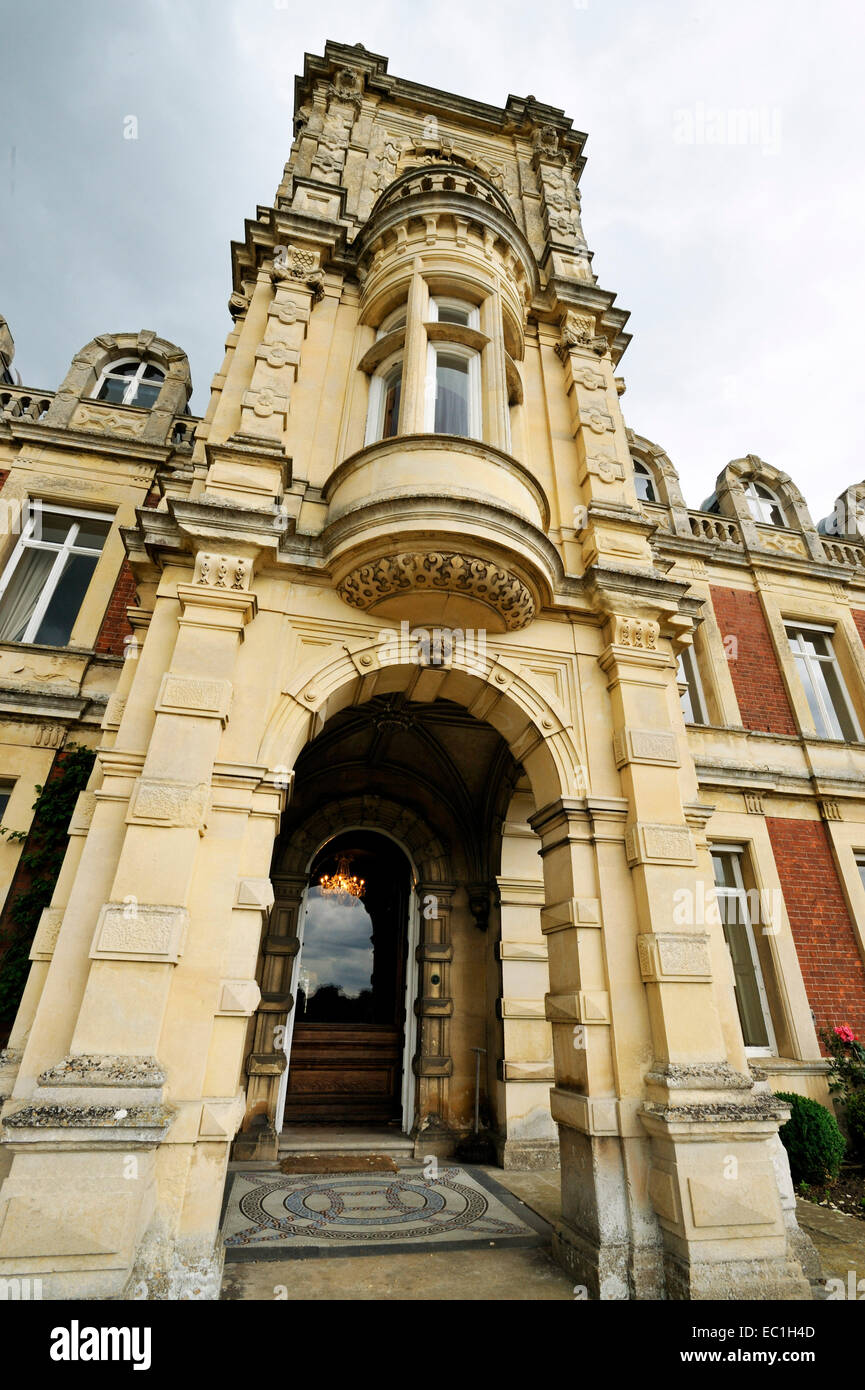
(481, 1275)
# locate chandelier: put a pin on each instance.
(342, 884)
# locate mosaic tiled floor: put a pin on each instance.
(275, 1216)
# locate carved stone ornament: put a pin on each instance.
(293, 263)
(578, 330)
(222, 571)
(545, 141)
(454, 573)
(639, 633)
(237, 305)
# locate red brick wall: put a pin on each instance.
(4, 474)
(829, 958)
(757, 679)
(115, 625)
(859, 620)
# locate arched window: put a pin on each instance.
(458, 311)
(453, 396)
(393, 322)
(385, 393)
(453, 386)
(643, 483)
(763, 505)
(129, 382)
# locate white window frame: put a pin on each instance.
(473, 357)
(831, 722)
(859, 856)
(641, 471)
(451, 302)
(736, 853)
(693, 680)
(761, 507)
(390, 323)
(7, 787)
(110, 370)
(68, 547)
(378, 396)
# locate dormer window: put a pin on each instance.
(643, 484)
(763, 505)
(129, 382)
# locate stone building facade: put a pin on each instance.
(411, 602)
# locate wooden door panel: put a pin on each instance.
(344, 1072)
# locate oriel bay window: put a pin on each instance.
(44, 583)
(432, 366)
(825, 691)
(741, 923)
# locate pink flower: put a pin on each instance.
(845, 1034)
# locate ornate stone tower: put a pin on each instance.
(416, 430)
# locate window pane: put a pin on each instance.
(336, 968)
(723, 867)
(113, 390)
(64, 607)
(153, 374)
(24, 592)
(804, 667)
(454, 313)
(5, 793)
(51, 526)
(146, 393)
(732, 904)
(452, 394)
(126, 369)
(692, 703)
(643, 486)
(748, 999)
(92, 533)
(833, 693)
(392, 393)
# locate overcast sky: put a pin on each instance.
(740, 260)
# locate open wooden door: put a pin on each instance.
(346, 1056)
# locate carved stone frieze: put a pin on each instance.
(448, 571)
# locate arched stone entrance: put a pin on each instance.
(645, 1114)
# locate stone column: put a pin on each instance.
(414, 368)
(91, 1173)
(268, 1057)
(495, 382)
(712, 1178)
(603, 1239)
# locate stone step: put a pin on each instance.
(296, 1141)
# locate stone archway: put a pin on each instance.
(646, 1108)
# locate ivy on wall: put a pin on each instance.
(38, 869)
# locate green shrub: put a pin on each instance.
(855, 1116)
(814, 1143)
